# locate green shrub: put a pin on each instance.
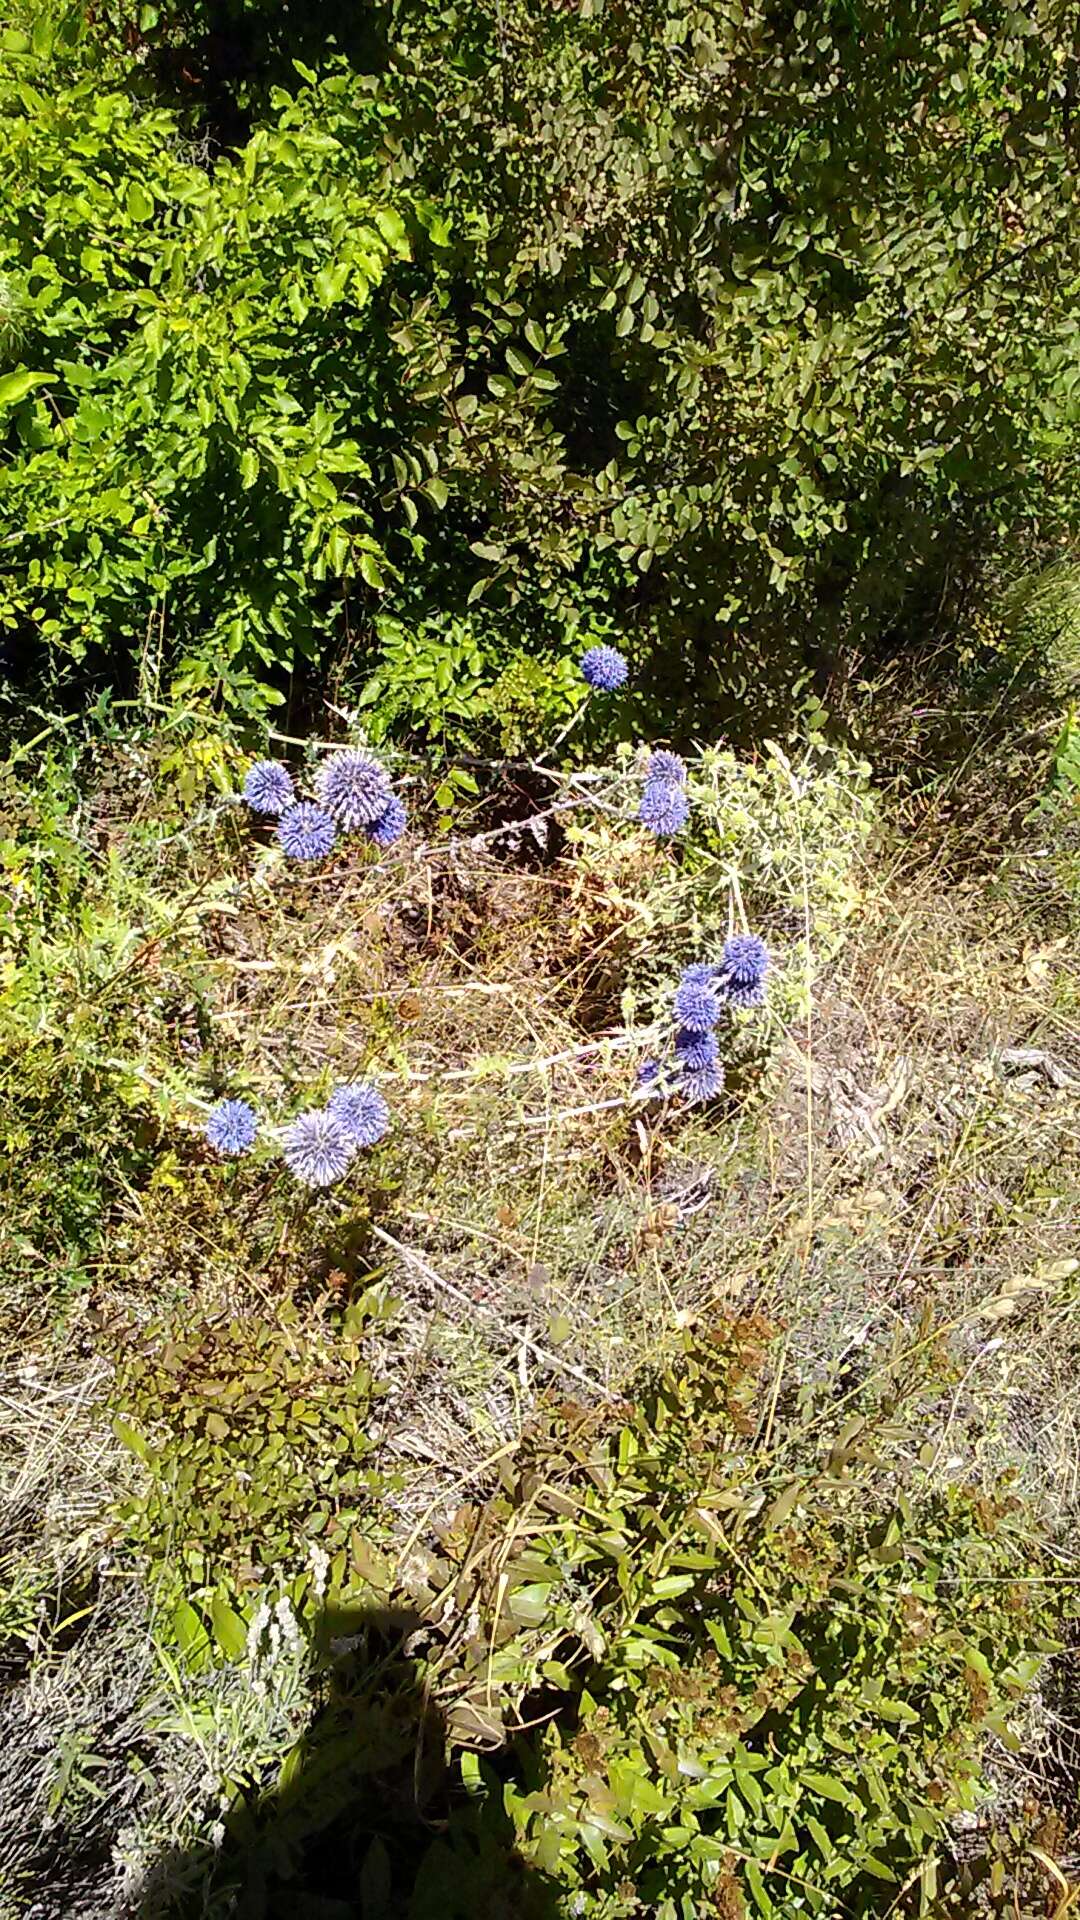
(190, 426)
(778, 1643)
(735, 328)
(748, 319)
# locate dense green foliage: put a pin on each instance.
(732, 329)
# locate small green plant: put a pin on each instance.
(253, 1434)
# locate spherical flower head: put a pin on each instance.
(306, 832)
(697, 1088)
(664, 808)
(354, 788)
(231, 1127)
(360, 1111)
(390, 824)
(268, 787)
(318, 1149)
(743, 968)
(696, 1008)
(695, 1051)
(667, 766)
(700, 973)
(605, 669)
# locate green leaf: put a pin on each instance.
(830, 1789)
(133, 1441)
(375, 1885)
(331, 282)
(138, 202)
(877, 1868)
(189, 1632)
(229, 1630)
(15, 386)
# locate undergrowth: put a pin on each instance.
(589, 1505)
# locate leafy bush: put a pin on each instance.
(189, 482)
(764, 1646)
(728, 326)
(747, 317)
(776, 1642)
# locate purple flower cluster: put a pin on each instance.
(360, 1111)
(741, 973)
(706, 989)
(319, 1146)
(665, 805)
(306, 832)
(353, 791)
(268, 787)
(354, 788)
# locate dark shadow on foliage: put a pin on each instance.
(366, 1819)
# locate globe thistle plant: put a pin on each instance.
(667, 766)
(390, 825)
(268, 787)
(317, 1148)
(705, 1084)
(664, 808)
(231, 1127)
(605, 669)
(696, 1009)
(354, 788)
(696, 1051)
(744, 964)
(360, 1111)
(306, 832)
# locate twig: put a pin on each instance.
(436, 1279)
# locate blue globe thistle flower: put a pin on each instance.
(664, 808)
(605, 669)
(231, 1127)
(700, 973)
(695, 1008)
(742, 972)
(696, 1051)
(268, 787)
(697, 1088)
(306, 832)
(667, 766)
(318, 1149)
(360, 1111)
(390, 825)
(354, 788)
